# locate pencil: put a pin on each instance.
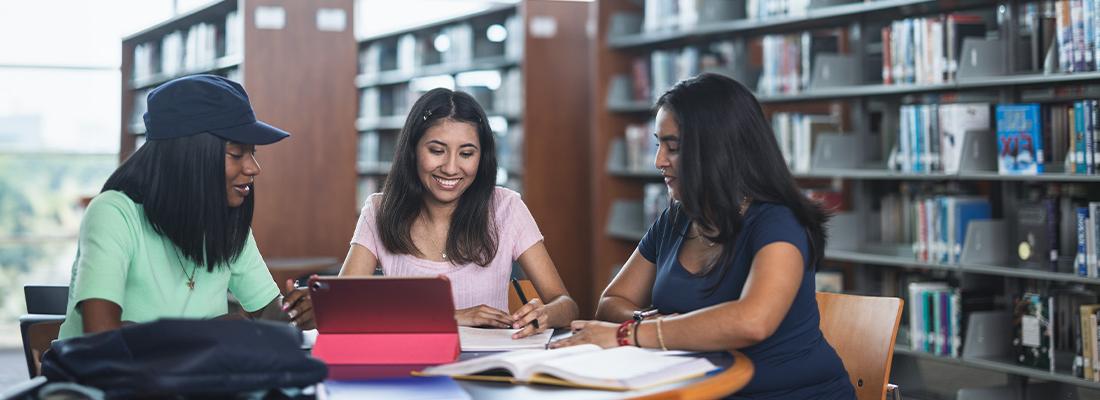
(522, 298)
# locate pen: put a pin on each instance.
(522, 298)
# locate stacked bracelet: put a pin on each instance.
(624, 333)
(661, 335)
(637, 342)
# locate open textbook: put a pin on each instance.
(587, 366)
(482, 339)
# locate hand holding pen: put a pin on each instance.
(532, 317)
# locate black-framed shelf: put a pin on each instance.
(881, 174)
(1004, 365)
(813, 18)
(397, 77)
(220, 64)
(873, 90)
(884, 260)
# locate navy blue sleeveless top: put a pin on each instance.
(795, 362)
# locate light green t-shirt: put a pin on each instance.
(120, 258)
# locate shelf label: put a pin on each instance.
(331, 20)
(543, 26)
(270, 17)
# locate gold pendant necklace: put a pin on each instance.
(195, 269)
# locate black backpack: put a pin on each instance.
(185, 357)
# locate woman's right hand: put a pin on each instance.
(483, 315)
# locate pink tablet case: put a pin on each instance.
(372, 327)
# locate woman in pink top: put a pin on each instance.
(440, 213)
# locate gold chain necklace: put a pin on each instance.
(442, 250)
(194, 270)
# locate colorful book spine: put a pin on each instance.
(1019, 139)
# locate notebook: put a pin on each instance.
(482, 339)
(585, 366)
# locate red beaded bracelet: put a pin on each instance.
(622, 335)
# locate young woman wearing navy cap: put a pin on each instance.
(730, 264)
(170, 232)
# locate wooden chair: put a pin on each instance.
(40, 326)
(513, 298)
(863, 329)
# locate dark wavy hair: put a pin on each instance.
(472, 237)
(728, 152)
(180, 183)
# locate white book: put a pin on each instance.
(588, 366)
(482, 339)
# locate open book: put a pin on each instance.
(587, 366)
(482, 339)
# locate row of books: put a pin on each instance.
(788, 59)
(641, 146)
(936, 311)
(795, 133)
(498, 92)
(926, 50)
(457, 44)
(1076, 34)
(940, 224)
(1050, 329)
(931, 136)
(651, 76)
(195, 48)
(666, 15)
(1034, 138)
(1031, 138)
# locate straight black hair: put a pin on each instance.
(180, 183)
(728, 152)
(472, 237)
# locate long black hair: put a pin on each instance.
(728, 152)
(472, 237)
(180, 183)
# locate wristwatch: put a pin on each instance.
(641, 315)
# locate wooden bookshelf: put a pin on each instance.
(553, 172)
(617, 187)
(297, 79)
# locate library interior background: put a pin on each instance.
(957, 143)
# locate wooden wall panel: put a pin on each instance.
(301, 79)
(556, 134)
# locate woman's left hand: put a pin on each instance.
(595, 332)
(298, 306)
(534, 310)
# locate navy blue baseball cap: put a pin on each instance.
(206, 103)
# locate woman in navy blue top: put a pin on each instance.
(730, 264)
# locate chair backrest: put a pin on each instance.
(513, 298)
(46, 307)
(862, 329)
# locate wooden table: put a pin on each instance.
(737, 373)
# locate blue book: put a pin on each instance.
(1082, 225)
(1019, 139)
(1079, 146)
(966, 210)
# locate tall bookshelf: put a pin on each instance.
(295, 59)
(526, 63)
(867, 112)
